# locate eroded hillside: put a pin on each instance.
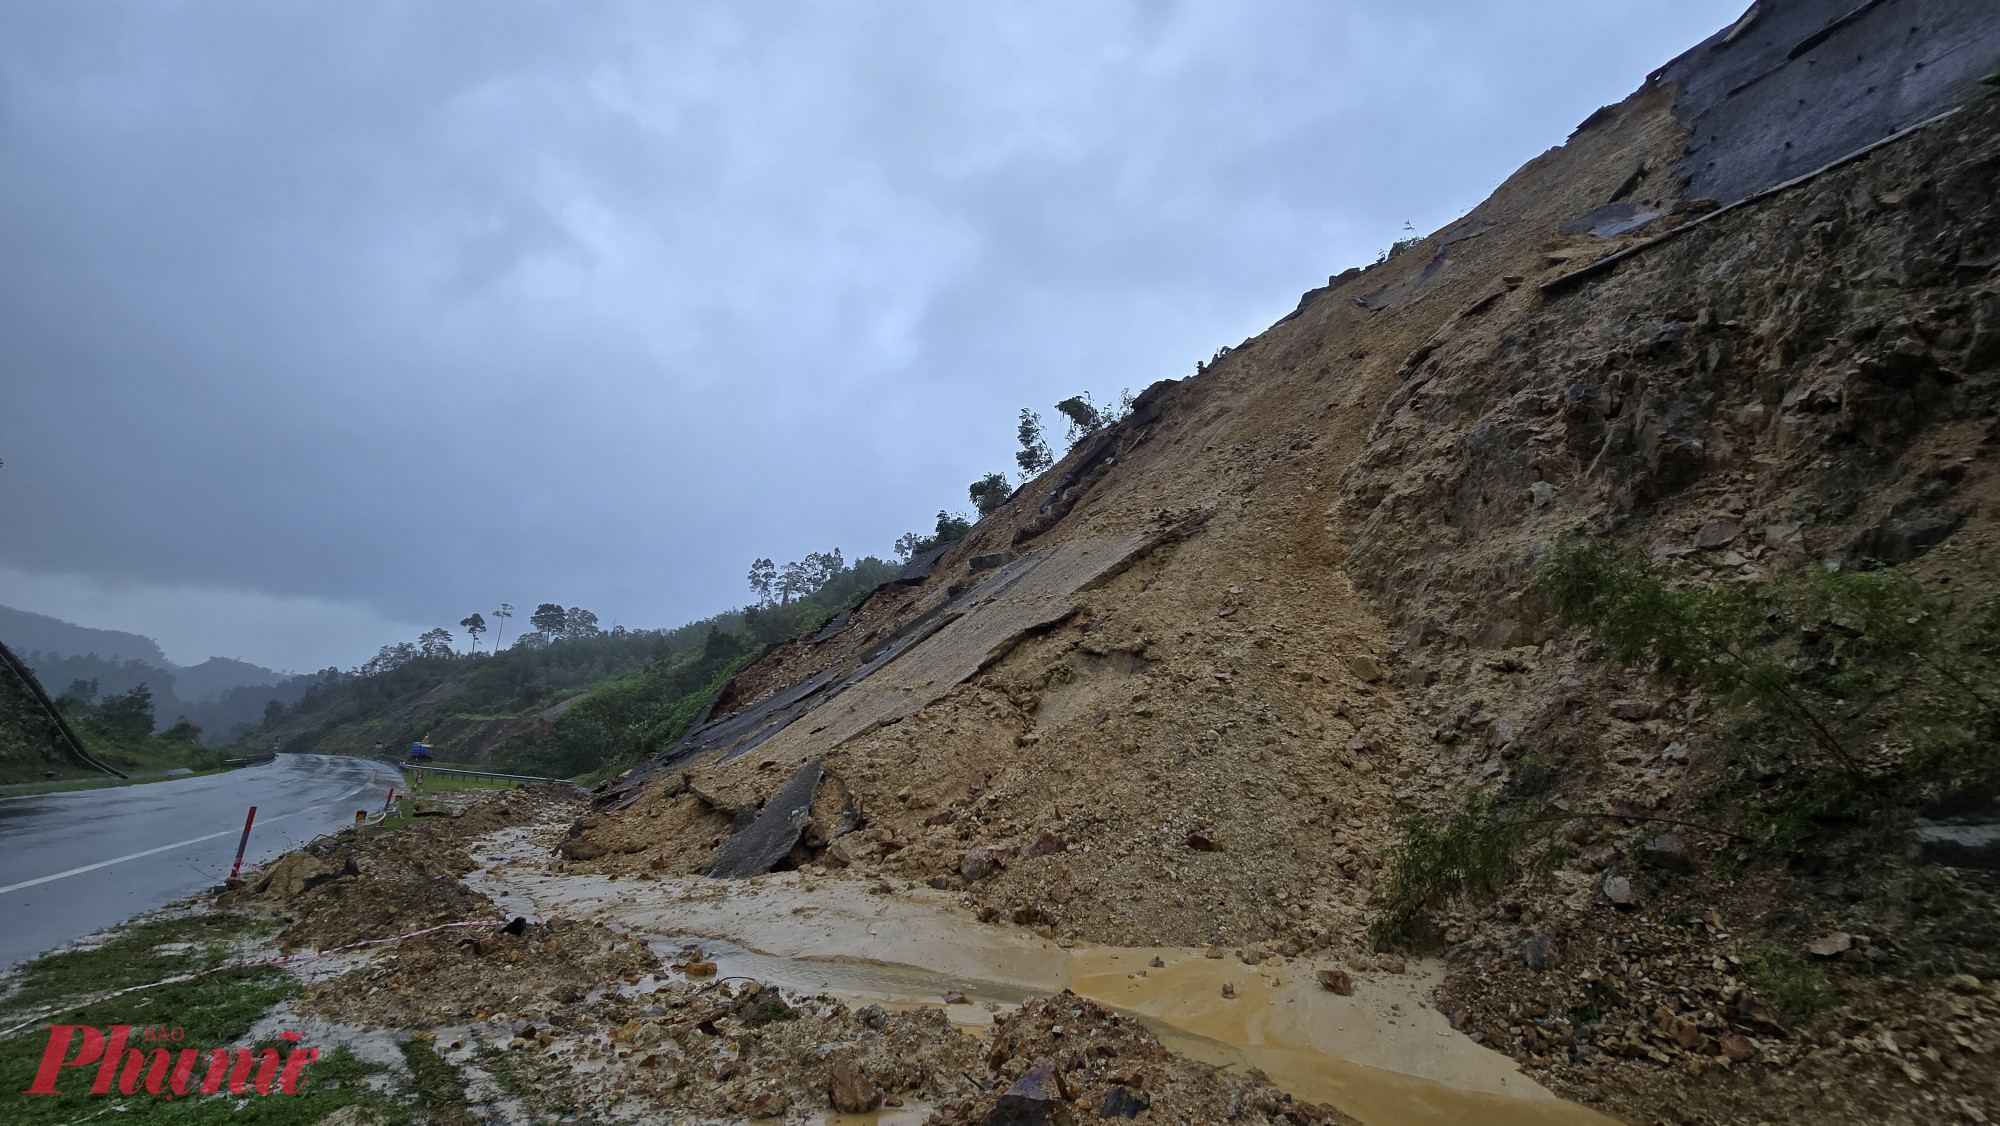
(1182, 690)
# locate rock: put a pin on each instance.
(1044, 844)
(1737, 1048)
(351, 867)
(873, 1016)
(1365, 668)
(1535, 952)
(1962, 983)
(838, 856)
(1122, 1102)
(1668, 853)
(700, 969)
(954, 997)
(1252, 955)
(1035, 1099)
(1213, 952)
(1228, 990)
(1390, 964)
(770, 1104)
(1360, 963)
(1784, 536)
(1633, 711)
(1336, 981)
(581, 849)
(430, 809)
(292, 874)
(850, 1090)
(1899, 541)
(1158, 962)
(1618, 891)
(1599, 857)
(1961, 832)
(1541, 493)
(755, 848)
(989, 561)
(1677, 1028)
(1831, 945)
(1717, 533)
(978, 864)
(1202, 842)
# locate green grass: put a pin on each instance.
(1785, 976)
(439, 1087)
(438, 783)
(211, 1011)
(92, 782)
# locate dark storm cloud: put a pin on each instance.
(384, 313)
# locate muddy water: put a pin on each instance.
(1381, 1055)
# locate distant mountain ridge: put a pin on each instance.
(220, 693)
(24, 632)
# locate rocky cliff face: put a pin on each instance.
(1182, 689)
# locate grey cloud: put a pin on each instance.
(420, 307)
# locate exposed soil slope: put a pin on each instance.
(1311, 611)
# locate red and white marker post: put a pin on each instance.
(236, 869)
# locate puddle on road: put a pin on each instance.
(1382, 1055)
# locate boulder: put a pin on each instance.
(1633, 711)
(1717, 533)
(1667, 852)
(1035, 1099)
(581, 849)
(1536, 951)
(1618, 891)
(292, 874)
(1121, 1101)
(850, 1089)
(1044, 844)
(1737, 1048)
(1831, 945)
(1390, 964)
(1336, 981)
(978, 864)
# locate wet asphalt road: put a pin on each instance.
(74, 863)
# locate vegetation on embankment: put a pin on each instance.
(206, 1013)
(570, 699)
(1851, 698)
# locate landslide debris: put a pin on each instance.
(1318, 617)
(571, 1018)
(1333, 623)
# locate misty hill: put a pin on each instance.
(568, 699)
(26, 632)
(218, 695)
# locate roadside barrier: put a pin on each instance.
(246, 965)
(236, 869)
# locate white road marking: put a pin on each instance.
(167, 847)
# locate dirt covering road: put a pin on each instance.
(574, 1018)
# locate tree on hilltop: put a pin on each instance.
(989, 493)
(549, 618)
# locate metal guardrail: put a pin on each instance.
(405, 765)
(250, 760)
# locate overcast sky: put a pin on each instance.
(322, 324)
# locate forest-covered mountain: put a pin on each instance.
(567, 698)
(218, 695)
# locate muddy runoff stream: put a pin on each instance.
(1382, 1055)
